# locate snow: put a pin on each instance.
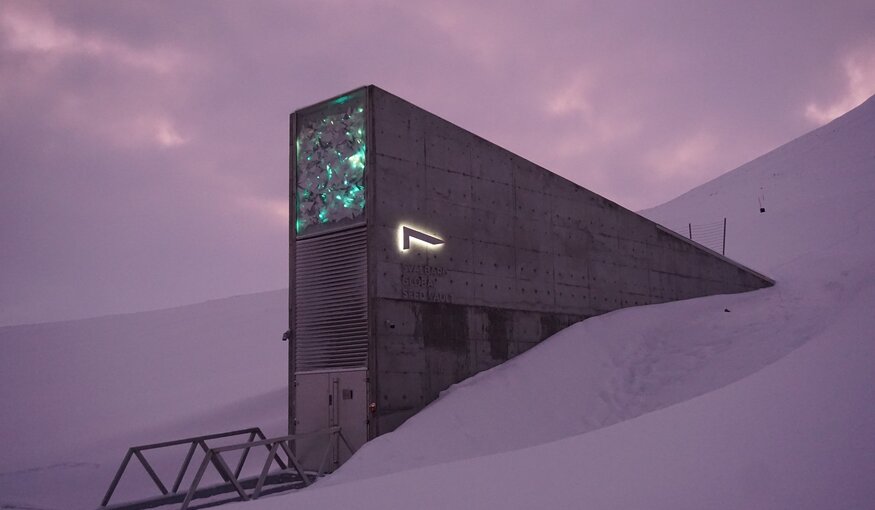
(756, 400)
(76, 394)
(797, 434)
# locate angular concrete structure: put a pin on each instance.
(421, 254)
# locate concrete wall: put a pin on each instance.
(527, 253)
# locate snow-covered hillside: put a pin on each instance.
(76, 394)
(758, 400)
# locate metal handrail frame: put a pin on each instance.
(213, 455)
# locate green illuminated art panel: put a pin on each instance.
(330, 163)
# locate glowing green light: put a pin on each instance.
(331, 163)
(357, 160)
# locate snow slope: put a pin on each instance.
(76, 394)
(758, 400)
(814, 237)
(797, 434)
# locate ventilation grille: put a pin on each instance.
(331, 301)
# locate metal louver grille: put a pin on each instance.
(331, 301)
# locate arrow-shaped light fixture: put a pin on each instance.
(408, 233)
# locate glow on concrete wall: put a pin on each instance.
(330, 163)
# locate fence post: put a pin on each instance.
(724, 235)
(690, 226)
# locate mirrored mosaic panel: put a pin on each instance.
(330, 160)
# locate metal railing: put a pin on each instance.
(213, 456)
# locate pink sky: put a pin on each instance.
(143, 145)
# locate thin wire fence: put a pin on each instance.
(711, 235)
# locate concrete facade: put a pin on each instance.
(526, 253)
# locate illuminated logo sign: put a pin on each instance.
(407, 234)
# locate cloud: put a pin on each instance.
(859, 68)
(462, 25)
(34, 32)
(571, 97)
(274, 210)
(144, 130)
(100, 116)
(166, 133)
(685, 158)
(113, 95)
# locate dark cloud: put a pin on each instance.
(143, 145)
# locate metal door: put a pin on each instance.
(329, 399)
(349, 411)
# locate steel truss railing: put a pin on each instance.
(213, 456)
